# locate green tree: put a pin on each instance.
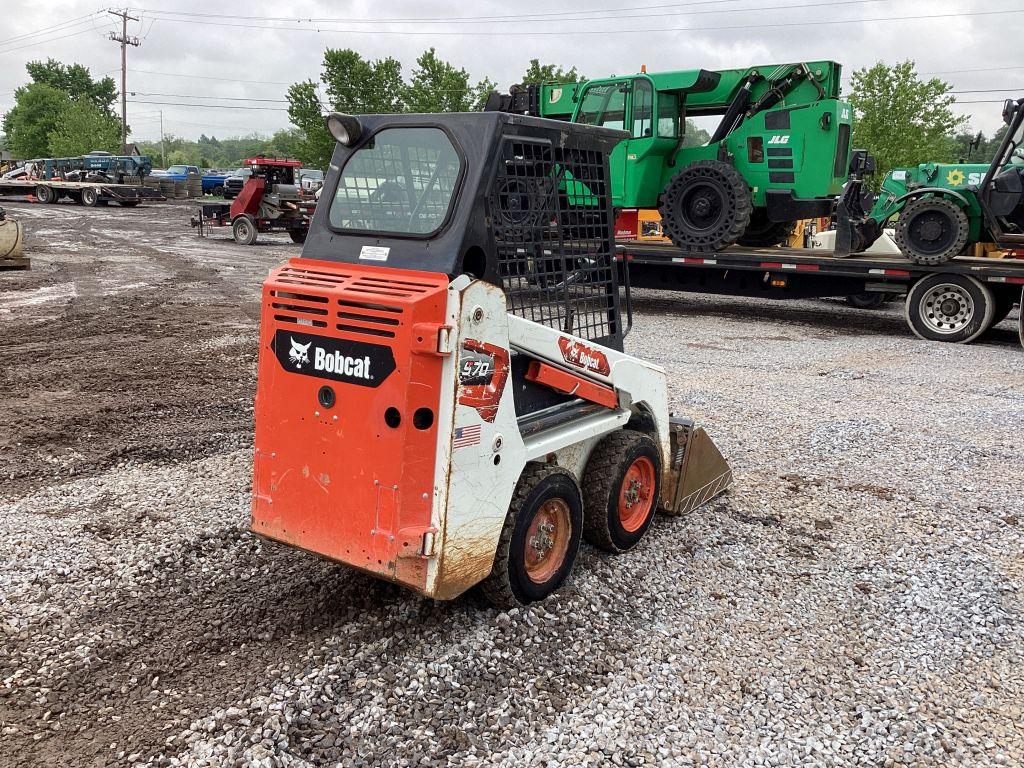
(35, 115)
(75, 80)
(356, 85)
(304, 110)
(83, 127)
(902, 119)
(437, 86)
(550, 73)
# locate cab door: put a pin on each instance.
(604, 103)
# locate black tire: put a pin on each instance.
(867, 300)
(218, 190)
(762, 232)
(45, 194)
(244, 230)
(90, 197)
(509, 583)
(1004, 301)
(1020, 319)
(932, 230)
(706, 207)
(949, 307)
(298, 236)
(604, 525)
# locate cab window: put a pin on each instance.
(401, 181)
(643, 97)
(605, 105)
(668, 115)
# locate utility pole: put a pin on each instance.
(163, 154)
(125, 41)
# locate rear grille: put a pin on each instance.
(372, 306)
(301, 308)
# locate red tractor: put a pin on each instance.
(270, 200)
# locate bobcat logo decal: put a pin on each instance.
(299, 353)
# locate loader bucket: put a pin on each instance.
(697, 472)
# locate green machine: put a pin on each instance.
(942, 209)
(780, 152)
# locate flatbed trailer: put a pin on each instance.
(955, 302)
(81, 192)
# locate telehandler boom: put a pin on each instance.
(443, 398)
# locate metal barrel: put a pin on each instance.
(12, 239)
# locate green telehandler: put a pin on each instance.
(780, 152)
(943, 209)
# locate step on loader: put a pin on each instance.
(443, 398)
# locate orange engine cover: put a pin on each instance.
(347, 399)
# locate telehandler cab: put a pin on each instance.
(443, 398)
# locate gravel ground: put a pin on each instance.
(855, 600)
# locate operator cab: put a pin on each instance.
(1003, 188)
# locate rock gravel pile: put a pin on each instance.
(855, 600)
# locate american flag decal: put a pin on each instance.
(466, 436)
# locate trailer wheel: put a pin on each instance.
(762, 232)
(244, 230)
(949, 307)
(1020, 318)
(45, 194)
(622, 484)
(540, 539)
(932, 230)
(867, 300)
(706, 206)
(90, 197)
(298, 236)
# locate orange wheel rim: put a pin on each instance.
(636, 496)
(547, 540)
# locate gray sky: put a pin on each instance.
(183, 57)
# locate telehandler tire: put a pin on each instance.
(706, 207)
(622, 484)
(932, 230)
(540, 539)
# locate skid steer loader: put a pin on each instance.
(443, 398)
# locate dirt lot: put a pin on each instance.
(856, 600)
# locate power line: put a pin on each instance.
(50, 40)
(982, 69)
(223, 98)
(523, 18)
(644, 30)
(69, 24)
(208, 106)
(210, 77)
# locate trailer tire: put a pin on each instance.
(949, 307)
(762, 232)
(244, 230)
(867, 300)
(90, 197)
(706, 207)
(546, 495)
(1020, 318)
(932, 230)
(623, 484)
(45, 194)
(298, 236)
